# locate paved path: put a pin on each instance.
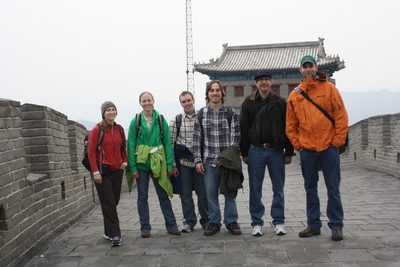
(372, 232)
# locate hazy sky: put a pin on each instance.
(73, 55)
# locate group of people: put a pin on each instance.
(203, 148)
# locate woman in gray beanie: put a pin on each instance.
(107, 164)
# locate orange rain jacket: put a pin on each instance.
(306, 126)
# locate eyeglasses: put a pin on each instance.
(264, 79)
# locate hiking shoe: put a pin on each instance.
(309, 232)
(234, 228)
(145, 234)
(106, 237)
(116, 241)
(257, 231)
(187, 228)
(212, 229)
(175, 232)
(337, 234)
(280, 229)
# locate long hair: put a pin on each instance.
(104, 125)
(208, 88)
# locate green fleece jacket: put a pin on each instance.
(230, 171)
(144, 140)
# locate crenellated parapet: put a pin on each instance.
(43, 185)
(374, 144)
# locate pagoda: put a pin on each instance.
(237, 66)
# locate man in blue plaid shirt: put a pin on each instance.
(182, 138)
(213, 134)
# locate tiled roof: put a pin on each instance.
(285, 56)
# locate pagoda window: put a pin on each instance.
(239, 90)
(276, 89)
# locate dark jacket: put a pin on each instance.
(230, 171)
(250, 126)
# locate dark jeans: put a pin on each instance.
(191, 179)
(109, 194)
(329, 161)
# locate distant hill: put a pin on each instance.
(88, 124)
(372, 103)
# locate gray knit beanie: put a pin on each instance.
(106, 105)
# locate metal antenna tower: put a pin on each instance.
(189, 48)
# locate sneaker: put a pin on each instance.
(309, 232)
(187, 228)
(106, 237)
(212, 229)
(337, 234)
(175, 232)
(116, 241)
(234, 228)
(257, 231)
(280, 229)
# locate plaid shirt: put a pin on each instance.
(216, 133)
(185, 136)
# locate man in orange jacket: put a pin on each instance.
(318, 140)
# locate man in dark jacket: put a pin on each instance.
(264, 143)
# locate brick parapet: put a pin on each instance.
(374, 144)
(43, 186)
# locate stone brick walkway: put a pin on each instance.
(372, 232)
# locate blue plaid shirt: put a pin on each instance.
(216, 133)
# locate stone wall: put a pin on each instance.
(43, 185)
(374, 144)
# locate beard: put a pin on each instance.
(312, 75)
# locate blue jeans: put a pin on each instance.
(260, 157)
(191, 179)
(212, 182)
(329, 161)
(143, 205)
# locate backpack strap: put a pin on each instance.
(229, 116)
(200, 117)
(138, 122)
(161, 124)
(101, 134)
(298, 90)
(99, 141)
(178, 123)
